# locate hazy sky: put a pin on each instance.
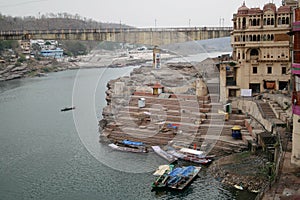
(139, 13)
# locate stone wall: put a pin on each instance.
(251, 108)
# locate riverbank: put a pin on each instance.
(95, 59)
(192, 104)
(244, 170)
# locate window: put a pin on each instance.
(283, 70)
(254, 70)
(269, 70)
(254, 52)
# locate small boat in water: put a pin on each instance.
(67, 109)
(190, 156)
(163, 154)
(130, 146)
(177, 179)
(163, 169)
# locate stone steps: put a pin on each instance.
(266, 110)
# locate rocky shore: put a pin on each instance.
(30, 68)
(241, 169)
(95, 59)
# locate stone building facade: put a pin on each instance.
(261, 57)
(296, 88)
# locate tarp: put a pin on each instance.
(128, 142)
(175, 172)
(187, 171)
(178, 173)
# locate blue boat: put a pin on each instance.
(177, 179)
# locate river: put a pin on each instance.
(48, 154)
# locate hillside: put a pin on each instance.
(201, 46)
(52, 22)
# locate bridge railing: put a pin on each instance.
(113, 30)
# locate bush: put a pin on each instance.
(21, 59)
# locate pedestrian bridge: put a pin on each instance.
(149, 36)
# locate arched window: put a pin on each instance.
(272, 37)
(258, 22)
(250, 37)
(272, 21)
(254, 37)
(268, 37)
(250, 22)
(283, 20)
(254, 52)
(279, 21)
(287, 20)
(265, 21)
(268, 21)
(244, 22)
(254, 22)
(258, 38)
(265, 38)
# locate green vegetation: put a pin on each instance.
(8, 44)
(21, 59)
(75, 48)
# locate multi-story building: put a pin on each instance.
(296, 88)
(261, 50)
(25, 46)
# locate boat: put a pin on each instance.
(129, 146)
(194, 159)
(163, 154)
(177, 179)
(190, 157)
(197, 153)
(162, 169)
(160, 182)
(162, 173)
(67, 109)
(183, 177)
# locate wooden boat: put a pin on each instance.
(129, 149)
(190, 157)
(162, 172)
(160, 182)
(162, 169)
(164, 154)
(202, 161)
(197, 153)
(67, 109)
(183, 180)
(177, 179)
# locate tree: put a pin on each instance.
(75, 48)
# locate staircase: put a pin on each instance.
(266, 110)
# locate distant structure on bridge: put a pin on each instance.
(149, 36)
